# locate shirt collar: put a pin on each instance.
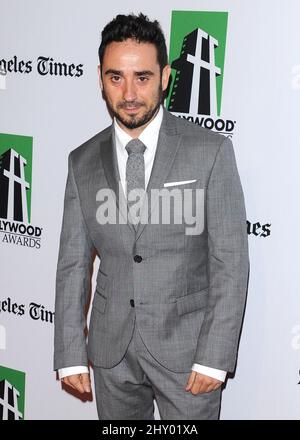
(149, 135)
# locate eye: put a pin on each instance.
(143, 78)
(115, 78)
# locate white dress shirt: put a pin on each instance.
(149, 137)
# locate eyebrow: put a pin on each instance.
(120, 73)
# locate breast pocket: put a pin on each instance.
(178, 183)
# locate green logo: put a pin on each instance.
(197, 54)
(12, 394)
(15, 177)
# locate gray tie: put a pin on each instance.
(135, 172)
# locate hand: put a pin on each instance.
(199, 383)
(80, 382)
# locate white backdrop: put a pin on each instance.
(261, 88)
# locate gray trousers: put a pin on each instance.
(126, 391)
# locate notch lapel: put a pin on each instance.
(111, 170)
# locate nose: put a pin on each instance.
(129, 92)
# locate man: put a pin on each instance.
(169, 300)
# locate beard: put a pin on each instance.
(135, 121)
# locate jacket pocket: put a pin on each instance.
(192, 301)
(99, 301)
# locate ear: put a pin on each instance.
(165, 76)
(99, 77)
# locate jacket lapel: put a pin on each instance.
(111, 170)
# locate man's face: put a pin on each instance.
(131, 82)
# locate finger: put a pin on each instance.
(205, 385)
(75, 381)
(210, 388)
(217, 385)
(86, 383)
(195, 388)
(191, 380)
(66, 382)
(199, 379)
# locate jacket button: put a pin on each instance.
(137, 258)
(132, 302)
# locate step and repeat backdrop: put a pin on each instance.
(246, 56)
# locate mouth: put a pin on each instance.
(132, 109)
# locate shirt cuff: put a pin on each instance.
(69, 371)
(211, 372)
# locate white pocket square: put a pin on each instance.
(182, 182)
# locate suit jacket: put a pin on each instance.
(185, 292)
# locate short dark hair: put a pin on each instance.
(139, 28)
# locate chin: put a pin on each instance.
(133, 121)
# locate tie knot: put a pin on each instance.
(135, 146)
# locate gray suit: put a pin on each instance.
(185, 293)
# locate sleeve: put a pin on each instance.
(228, 264)
(73, 276)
